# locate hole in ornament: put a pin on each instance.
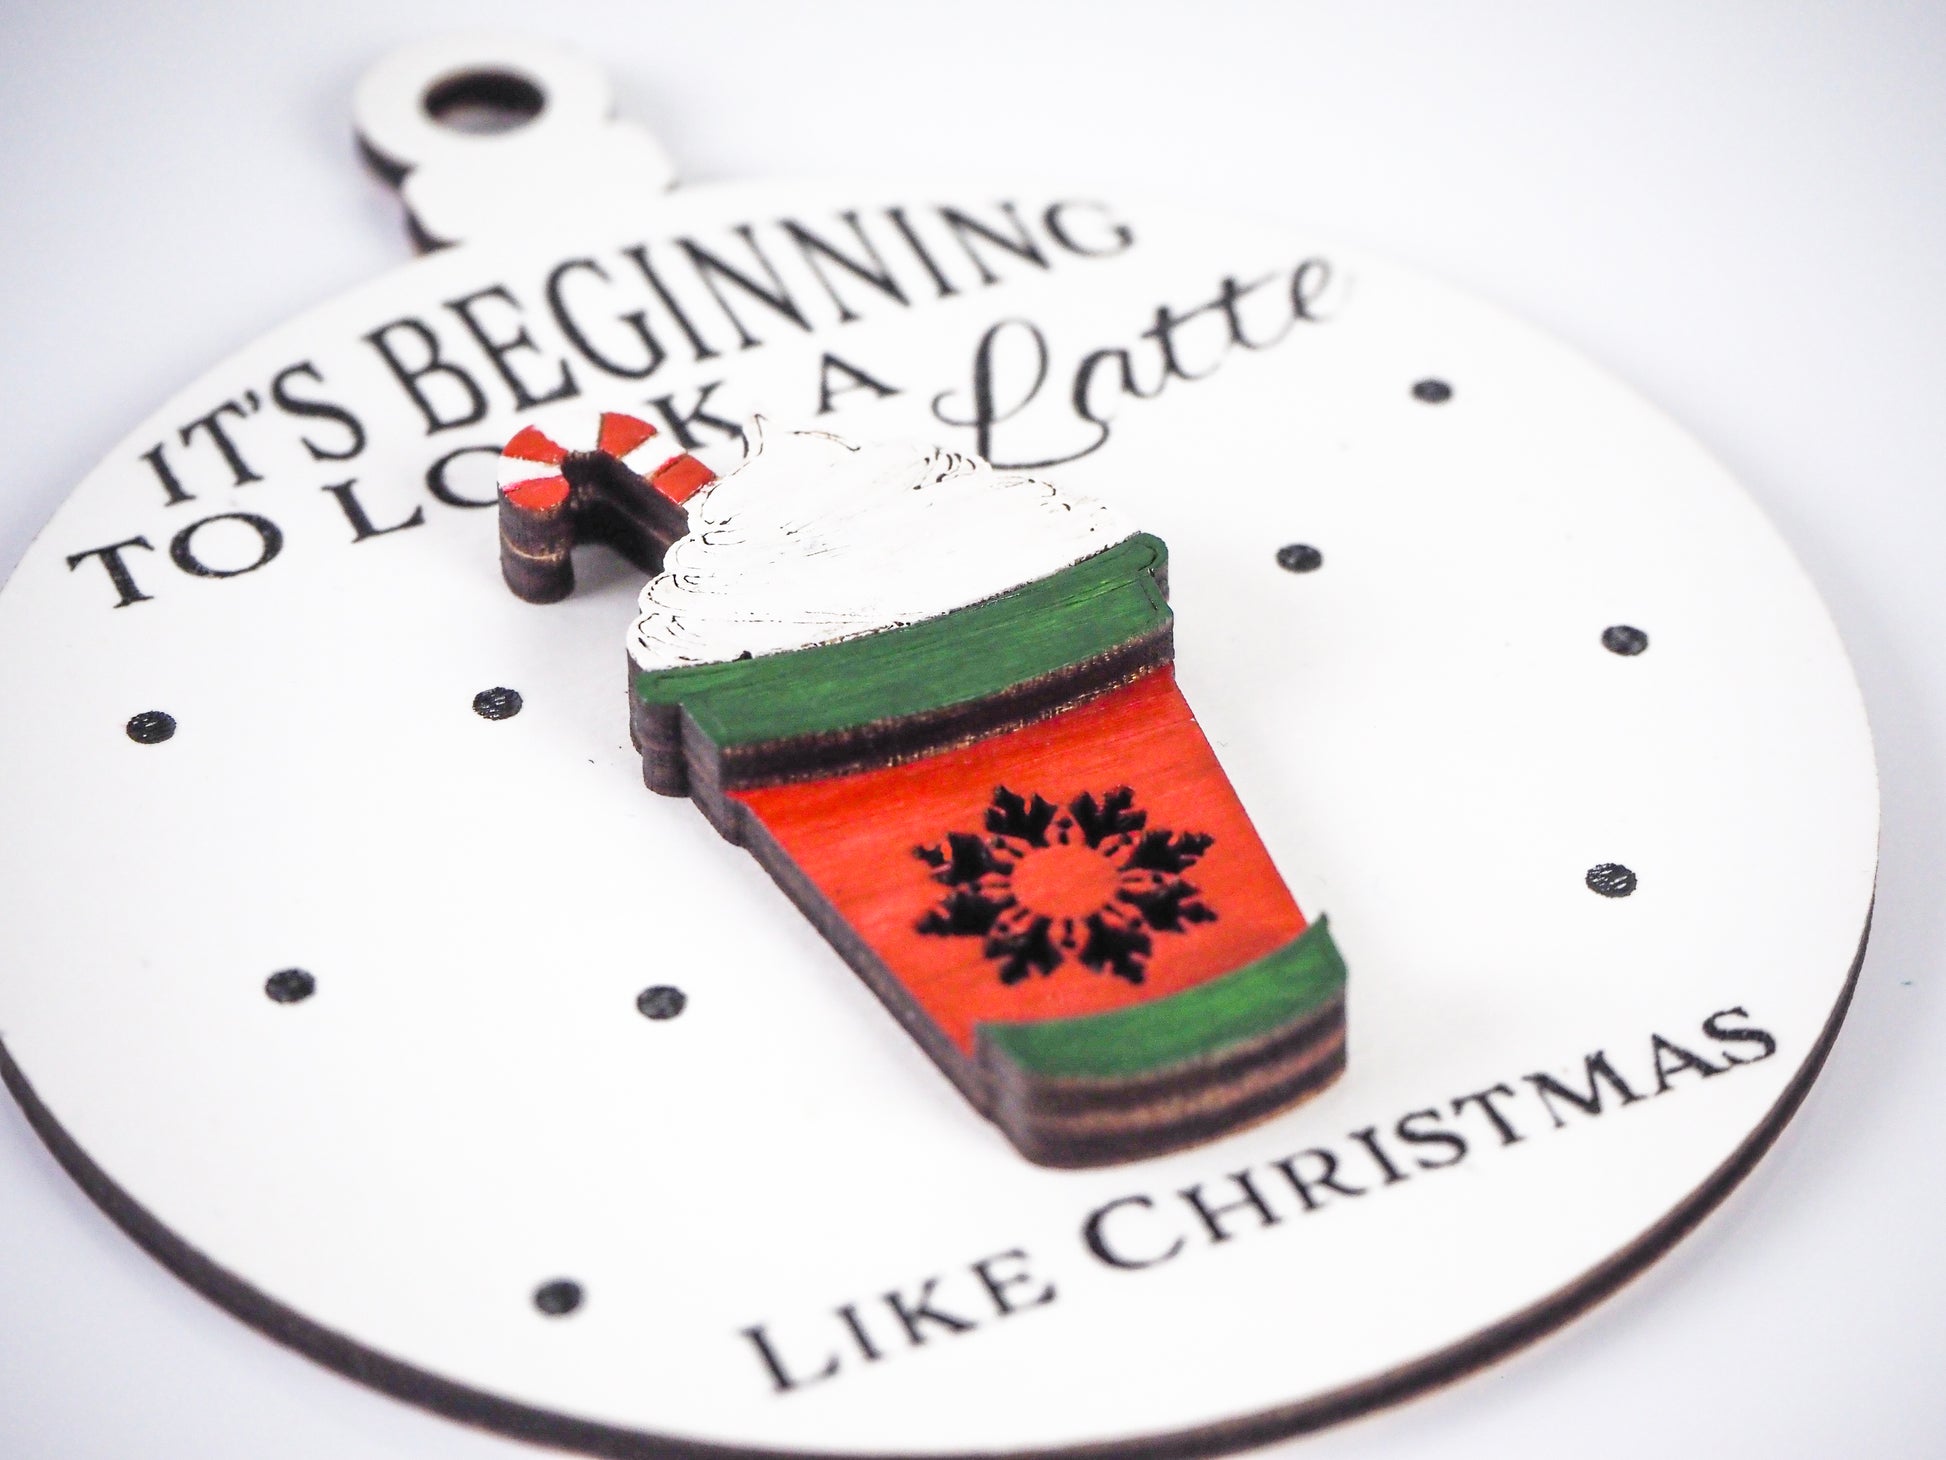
(290, 986)
(1611, 879)
(1624, 639)
(558, 1297)
(484, 103)
(498, 703)
(151, 727)
(1433, 392)
(661, 1002)
(1299, 557)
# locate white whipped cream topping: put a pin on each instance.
(813, 539)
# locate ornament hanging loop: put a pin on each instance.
(492, 135)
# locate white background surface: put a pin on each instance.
(1736, 214)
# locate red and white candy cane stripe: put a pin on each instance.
(530, 464)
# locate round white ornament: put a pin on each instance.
(355, 974)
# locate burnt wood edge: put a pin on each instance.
(614, 506)
(606, 503)
(1080, 1095)
(679, 757)
(1224, 1101)
(750, 832)
(890, 742)
(473, 1406)
(534, 556)
(1077, 1096)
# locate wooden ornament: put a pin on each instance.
(377, 1003)
(1002, 814)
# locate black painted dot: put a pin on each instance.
(499, 703)
(1433, 392)
(1624, 639)
(151, 727)
(290, 986)
(661, 1002)
(560, 1297)
(1611, 879)
(1299, 557)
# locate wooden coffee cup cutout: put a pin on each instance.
(860, 721)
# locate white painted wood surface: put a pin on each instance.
(1433, 739)
(1446, 1406)
(810, 539)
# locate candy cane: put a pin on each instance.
(624, 488)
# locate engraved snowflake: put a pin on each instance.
(1044, 883)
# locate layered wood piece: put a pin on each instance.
(706, 730)
(1077, 920)
(938, 704)
(623, 487)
